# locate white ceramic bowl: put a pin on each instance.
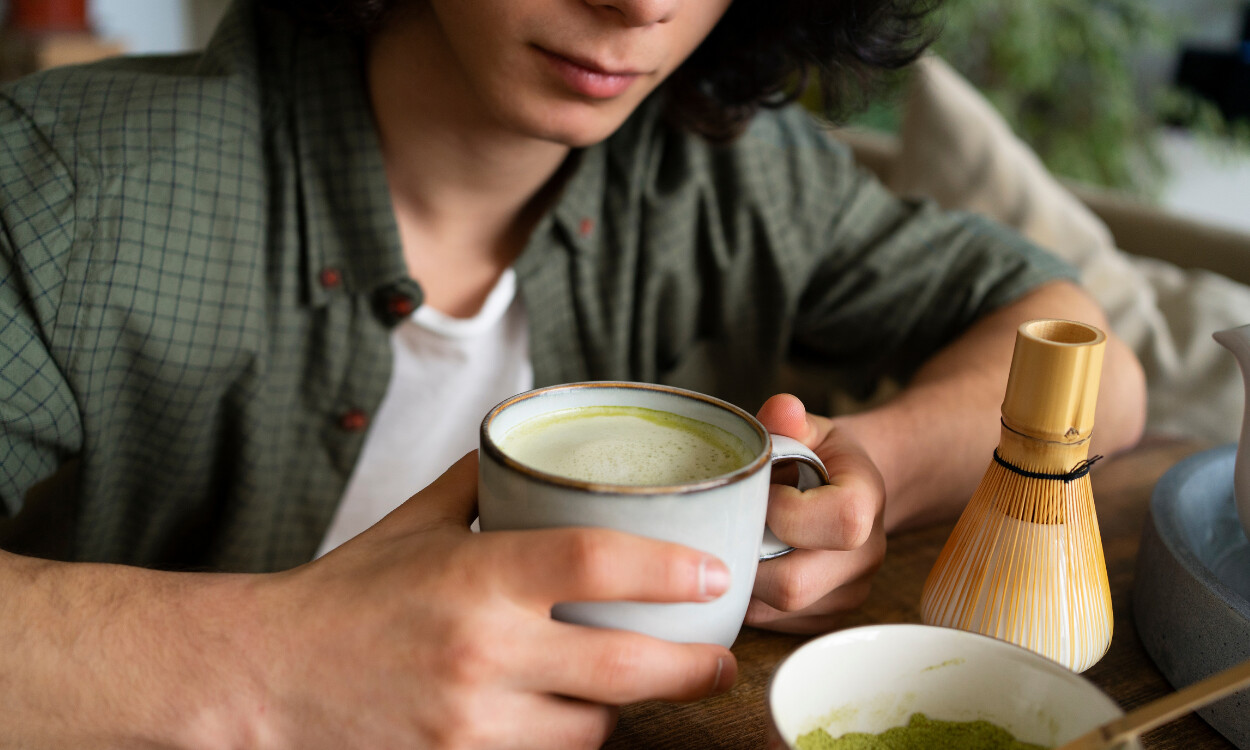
(872, 678)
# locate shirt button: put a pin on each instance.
(353, 420)
(330, 278)
(586, 226)
(400, 305)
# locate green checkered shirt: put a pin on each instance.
(199, 269)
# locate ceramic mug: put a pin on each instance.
(721, 515)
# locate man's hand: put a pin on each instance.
(417, 633)
(421, 633)
(926, 448)
(837, 528)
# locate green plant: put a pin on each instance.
(1061, 73)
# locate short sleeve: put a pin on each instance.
(887, 281)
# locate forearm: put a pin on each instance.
(109, 656)
(933, 441)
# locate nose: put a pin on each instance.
(640, 12)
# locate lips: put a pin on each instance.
(589, 79)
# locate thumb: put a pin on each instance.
(452, 498)
(784, 414)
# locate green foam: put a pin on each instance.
(626, 445)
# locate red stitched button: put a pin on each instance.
(330, 278)
(353, 420)
(400, 305)
(586, 226)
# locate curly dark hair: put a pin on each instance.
(762, 54)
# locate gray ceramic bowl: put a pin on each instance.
(1193, 560)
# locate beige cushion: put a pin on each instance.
(956, 149)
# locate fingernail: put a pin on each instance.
(713, 578)
(726, 674)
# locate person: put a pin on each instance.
(254, 298)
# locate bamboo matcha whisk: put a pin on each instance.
(1025, 562)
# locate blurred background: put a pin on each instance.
(1149, 97)
(140, 26)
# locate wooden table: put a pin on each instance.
(1121, 487)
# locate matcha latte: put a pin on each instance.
(644, 459)
(625, 445)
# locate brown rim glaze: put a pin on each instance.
(761, 460)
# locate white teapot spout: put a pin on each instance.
(1237, 341)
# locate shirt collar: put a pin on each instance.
(579, 209)
(348, 222)
(585, 206)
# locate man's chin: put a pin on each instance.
(581, 141)
(577, 130)
(576, 138)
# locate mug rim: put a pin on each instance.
(761, 460)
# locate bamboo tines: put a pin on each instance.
(1025, 561)
(1009, 574)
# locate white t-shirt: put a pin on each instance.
(448, 372)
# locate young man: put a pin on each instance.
(254, 299)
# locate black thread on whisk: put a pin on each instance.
(1076, 472)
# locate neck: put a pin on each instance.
(466, 192)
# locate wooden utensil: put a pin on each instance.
(1025, 562)
(1165, 709)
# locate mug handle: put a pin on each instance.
(784, 450)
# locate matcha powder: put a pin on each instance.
(921, 733)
